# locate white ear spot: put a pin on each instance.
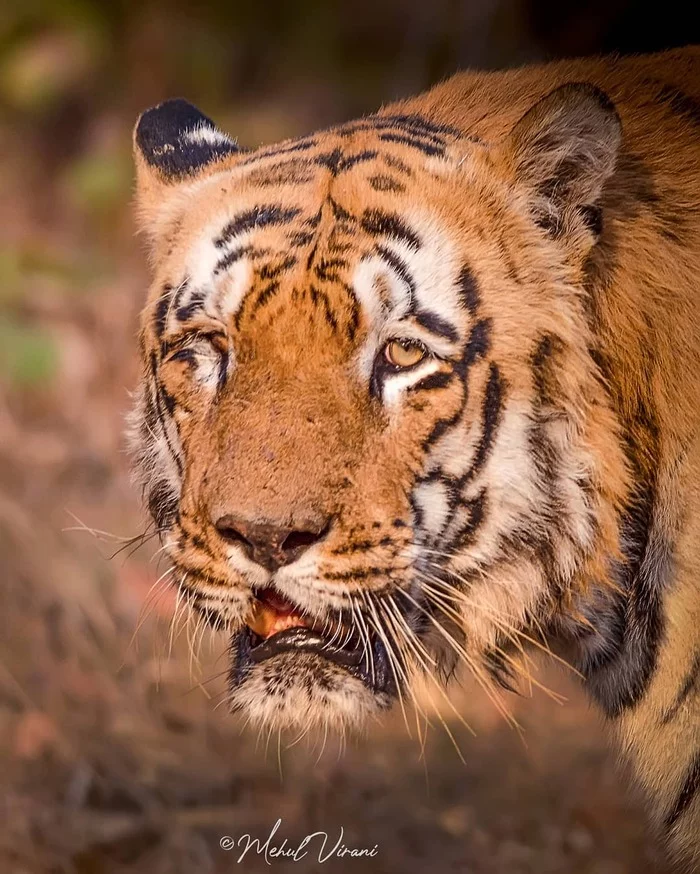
(205, 134)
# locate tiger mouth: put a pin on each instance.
(276, 627)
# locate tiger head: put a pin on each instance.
(371, 430)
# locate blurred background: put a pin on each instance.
(113, 753)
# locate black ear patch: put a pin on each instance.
(177, 139)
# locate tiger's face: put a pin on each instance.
(369, 427)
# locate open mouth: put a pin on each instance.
(276, 626)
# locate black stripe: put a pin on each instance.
(491, 416)
(546, 363)
(618, 676)
(301, 238)
(413, 143)
(419, 123)
(160, 417)
(161, 421)
(689, 790)
(436, 325)
(360, 574)
(360, 158)
(469, 290)
(223, 370)
(378, 223)
(272, 271)
(327, 269)
(169, 300)
(476, 508)
(359, 546)
(231, 258)
(306, 235)
(339, 212)
(162, 504)
(397, 164)
(354, 319)
(295, 171)
(441, 379)
(415, 124)
(265, 294)
(320, 296)
(195, 303)
(162, 309)
(417, 510)
(544, 368)
(187, 355)
(255, 218)
(302, 145)
(383, 182)
(330, 159)
(478, 345)
(337, 162)
(400, 268)
(690, 684)
(168, 400)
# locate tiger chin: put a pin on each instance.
(422, 389)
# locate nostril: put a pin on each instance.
(266, 543)
(297, 540)
(226, 528)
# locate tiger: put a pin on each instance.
(421, 391)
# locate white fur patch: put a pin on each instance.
(433, 502)
(396, 384)
(435, 268)
(205, 133)
(292, 702)
(233, 287)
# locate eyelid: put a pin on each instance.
(186, 341)
(405, 331)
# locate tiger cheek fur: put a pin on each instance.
(417, 391)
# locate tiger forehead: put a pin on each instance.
(337, 150)
(304, 266)
(297, 219)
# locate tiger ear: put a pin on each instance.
(173, 144)
(564, 149)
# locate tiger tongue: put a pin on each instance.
(272, 614)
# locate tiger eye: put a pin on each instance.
(404, 353)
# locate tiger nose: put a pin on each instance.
(270, 545)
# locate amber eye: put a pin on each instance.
(404, 353)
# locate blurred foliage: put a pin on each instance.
(28, 354)
(99, 182)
